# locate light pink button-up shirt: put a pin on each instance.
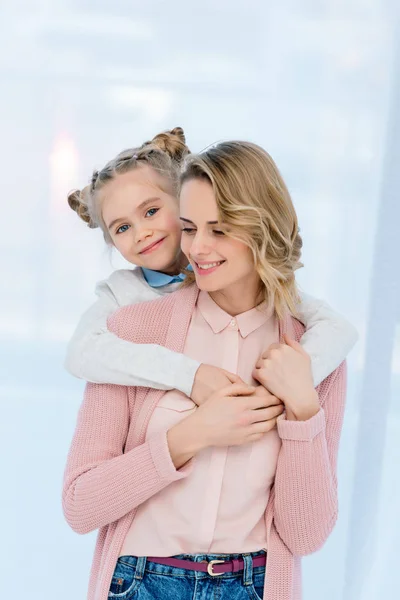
(220, 507)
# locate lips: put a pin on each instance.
(206, 268)
(152, 247)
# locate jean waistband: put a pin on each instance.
(146, 564)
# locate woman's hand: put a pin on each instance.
(236, 415)
(285, 370)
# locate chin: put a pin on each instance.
(156, 262)
(205, 286)
(156, 265)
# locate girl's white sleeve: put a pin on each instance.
(328, 338)
(98, 356)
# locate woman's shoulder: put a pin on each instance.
(149, 318)
(292, 326)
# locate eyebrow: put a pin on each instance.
(208, 222)
(140, 207)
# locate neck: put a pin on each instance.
(176, 267)
(238, 297)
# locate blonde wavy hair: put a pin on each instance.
(255, 204)
(164, 154)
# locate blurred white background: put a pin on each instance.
(317, 83)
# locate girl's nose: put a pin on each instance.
(142, 234)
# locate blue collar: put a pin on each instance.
(157, 279)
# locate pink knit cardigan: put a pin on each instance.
(111, 469)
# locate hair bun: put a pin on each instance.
(77, 200)
(173, 142)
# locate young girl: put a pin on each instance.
(139, 216)
(195, 501)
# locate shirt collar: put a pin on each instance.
(157, 279)
(219, 320)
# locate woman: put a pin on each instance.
(133, 199)
(192, 501)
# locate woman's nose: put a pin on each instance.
(199, 245)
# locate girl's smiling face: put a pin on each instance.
(142, 218)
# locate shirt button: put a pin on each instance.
(233, 323)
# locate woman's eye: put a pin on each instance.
(219, 232)
(122, 229)
(188, 230)
(151, 212)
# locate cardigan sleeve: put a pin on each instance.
(101, 483)
(306, 499)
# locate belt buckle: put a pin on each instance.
(210, 567)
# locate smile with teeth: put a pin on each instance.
(208, 267)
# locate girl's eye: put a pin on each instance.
(151, 212)
(218, 232)
(122, 229)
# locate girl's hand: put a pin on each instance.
(285, 370)
(210, 379)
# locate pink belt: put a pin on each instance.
(229, 566)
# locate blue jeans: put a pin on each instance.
(136, 578)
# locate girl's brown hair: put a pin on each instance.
(255, 204)
(164, 153)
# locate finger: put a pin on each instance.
(261, 391)
(261, 377)
(266, 414)
(295, 345)
(259, 366)
(254, 437)
(267, 352)
(263, 426)
(238, 389)
(233, 378)
(256, 374)
(259, 402)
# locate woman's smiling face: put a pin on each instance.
(142, 218)
(220, 263)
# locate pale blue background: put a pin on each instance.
(315, 83)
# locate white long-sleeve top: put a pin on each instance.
(99, 356)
